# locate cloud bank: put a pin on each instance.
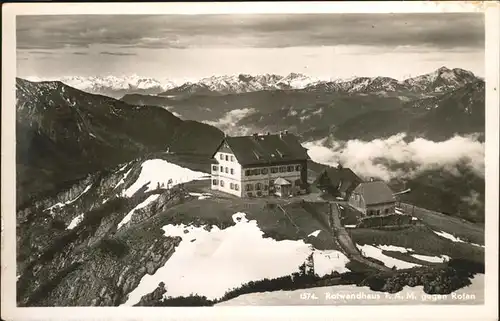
(263, 31)
(395, 158)
(227, 123)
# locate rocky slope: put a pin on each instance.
(91, 244)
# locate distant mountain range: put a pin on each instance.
(440, 80)
(434, 106)
(114, 86)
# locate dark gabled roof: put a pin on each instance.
(375, 192)
(266, 149)
(342, 179)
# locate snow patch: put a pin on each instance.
(59, 205)
(315, 233)
(454, 238)
(123, 178)
(145, 203)
(74, 223)
(374, 252)
(201, 196)
(433, 259)
(394, 248)
(230, 257)
(159, 171)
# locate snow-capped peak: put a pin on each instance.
(111, 82)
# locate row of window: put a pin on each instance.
(377, 212)
(265, 187)
(227, 157)
(274, 170)
(258, 187)
(223, 169)
(233, 186)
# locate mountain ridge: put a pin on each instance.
(438, 80)
(64, 133)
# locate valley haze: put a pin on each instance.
(361, 173)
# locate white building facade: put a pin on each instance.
(281, 177)
(226, 176)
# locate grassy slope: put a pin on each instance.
(421, 239)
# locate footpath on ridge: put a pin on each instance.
(345, 242)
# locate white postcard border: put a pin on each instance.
(416, 312)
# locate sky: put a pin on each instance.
(185, 47)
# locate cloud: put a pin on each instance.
(227, 123)
(171, 109)
(39, 52)
(111, 53)
(395, 158)
(443, 30)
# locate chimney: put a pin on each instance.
(268, 133)
(285, 132)
(255, 136)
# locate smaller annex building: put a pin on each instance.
(337, 181)
(260, 165)
(373, 198)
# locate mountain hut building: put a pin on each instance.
(260, 165)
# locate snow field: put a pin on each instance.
(212, 262)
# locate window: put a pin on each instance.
(249, 194)
(248, 172)
(264, 171)
(221, 157)
(289, 169)
(236, 187)
(274, 170)
(232, 171)
(214, 168)
(221, 183)
(265, 187)
(386, 211)
(298, 182)
(225, 170)
(258, 186)
(282, 169)
(297, 168)
(227, 158)
(378, 212)
(222, 169)
(259, 193)
(214, 182)
(232, 158)
(231, 186)
(256, 171)
(249, 187)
